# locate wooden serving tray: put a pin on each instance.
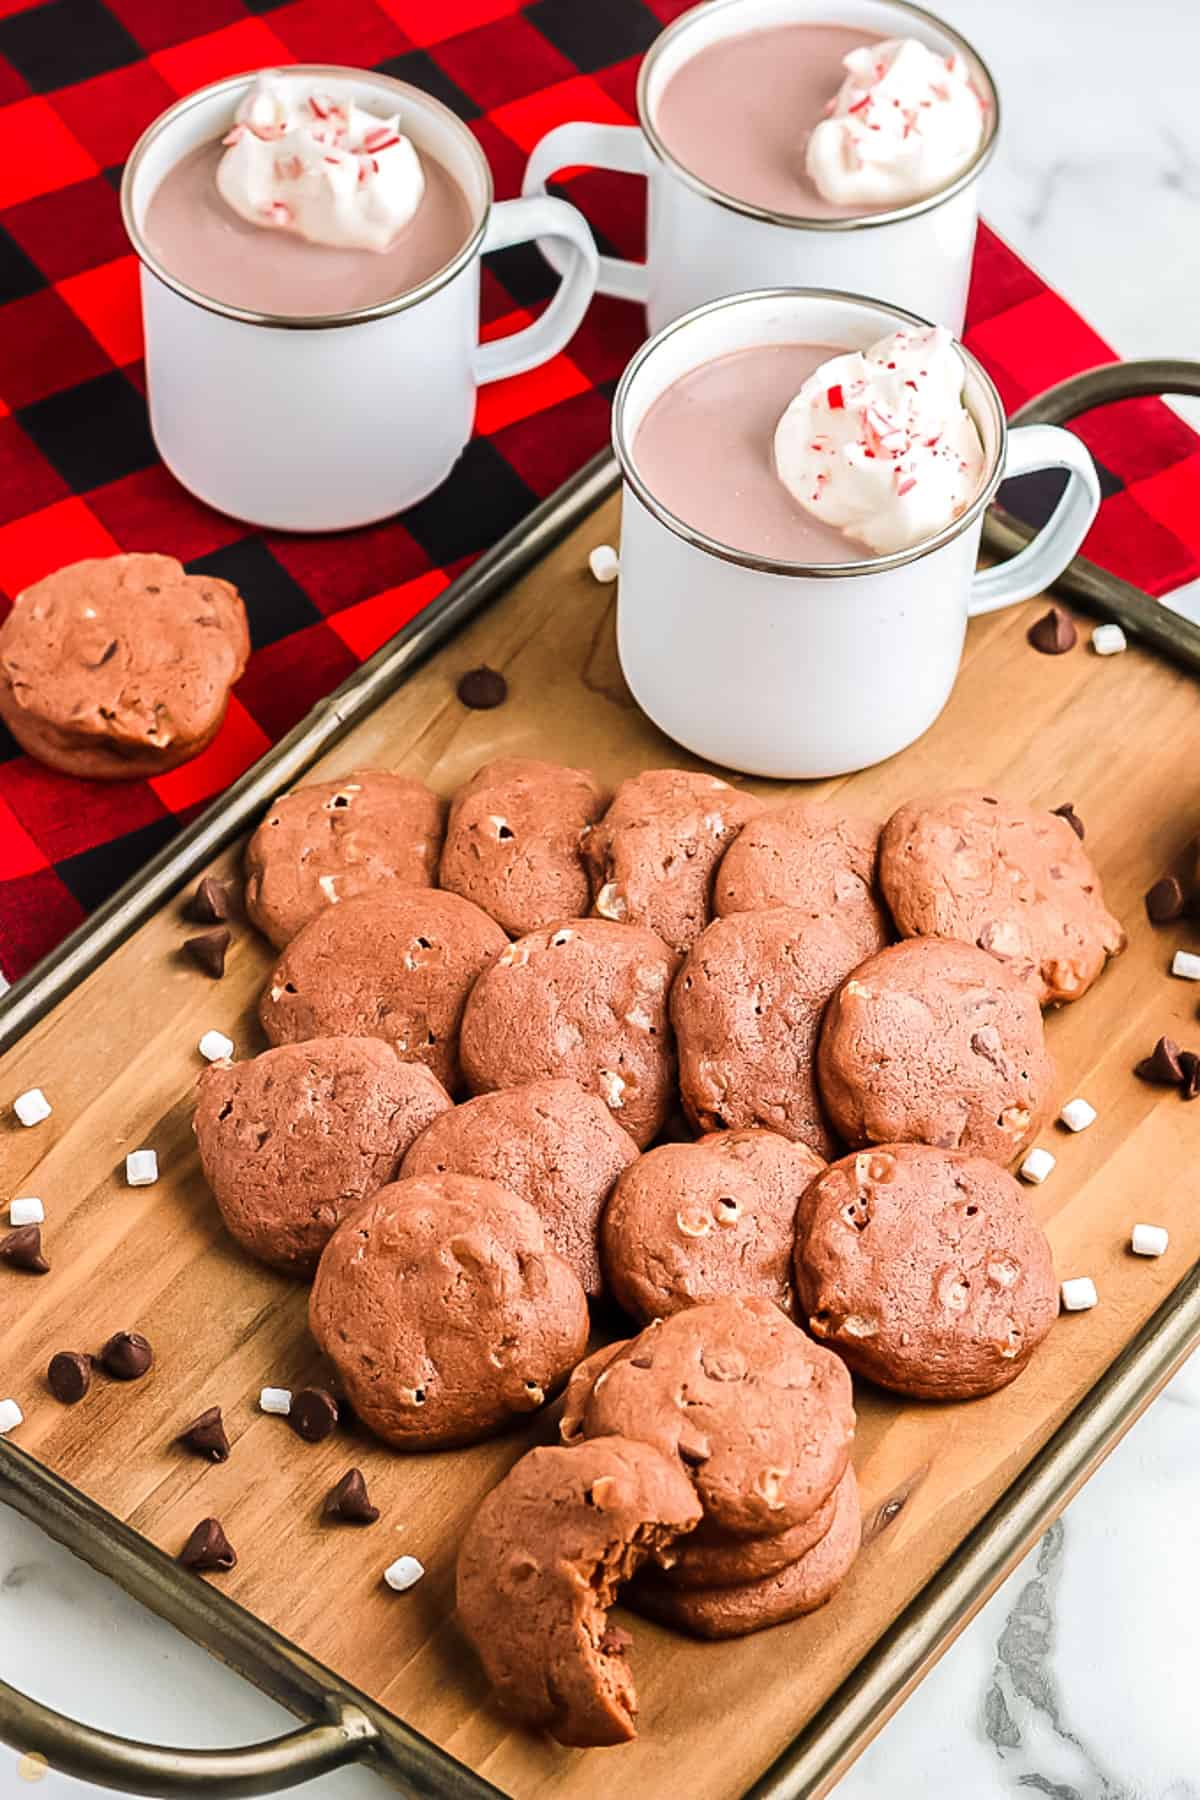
(118, 1061)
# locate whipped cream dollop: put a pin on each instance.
(878, 443)
(903, 124)
(306, 159)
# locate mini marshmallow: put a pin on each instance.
(276, 1400)
(604, 563)
(1079, 1295)
(1187, 964)
(1149, 1240)
(1037, 1165)
(1077, 1115)
(1109, 640)
(10, 1416)
(26, 1212)
(405, 1572)
(141, 1168)
(214, 1046)
(32, 1107)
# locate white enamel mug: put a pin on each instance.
(319, 424)
(804, 670)
(702, 243)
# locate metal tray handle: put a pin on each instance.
(1092, 589)
(81, 1750)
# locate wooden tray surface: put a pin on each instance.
(118, 1061)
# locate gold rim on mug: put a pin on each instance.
(858, 222)
(770, 565)
(232, 84)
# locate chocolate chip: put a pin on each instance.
(314, 1414)
(1164, 901)
(1053, 633)
(210, 903)
(483, 688)
(69, 1376)
(349, 1500)
(1068, 813)
(126, 1356)
(23, 1249)
(1189, 1063)
(208, 1548)
(1164, 1065)
(206, 1436)
(208, 950)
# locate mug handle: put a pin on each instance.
(621, 148)
(1041, 562)
(517, 222)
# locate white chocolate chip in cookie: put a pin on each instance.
(611, 902)
(612, 1088)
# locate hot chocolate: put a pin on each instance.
(806, 454)
(298, 219)
(821, 121)
(704, 449)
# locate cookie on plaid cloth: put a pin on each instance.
(120, 666)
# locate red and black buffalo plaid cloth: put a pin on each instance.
(79, 81)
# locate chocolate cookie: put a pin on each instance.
(444, 1311)
(759, 1415)
(711, 1558)
(925, 1270)
(550, 1143)
(292, 1140)
(690, 1222)
(396, 965)
(513, 841)
(586, 1000)
(653, 854)
(747, 1008)
(120, 667)
(1014, 880)
(737, 1610)
(338, 839)
(540, 1566)
(934, 1042)
(811, 857)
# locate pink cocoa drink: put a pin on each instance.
(739, 112)
(205, 244)
(705, 451)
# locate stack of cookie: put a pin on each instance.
(763, 1421)
(707, 1467)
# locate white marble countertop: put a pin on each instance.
(1077, 1680)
